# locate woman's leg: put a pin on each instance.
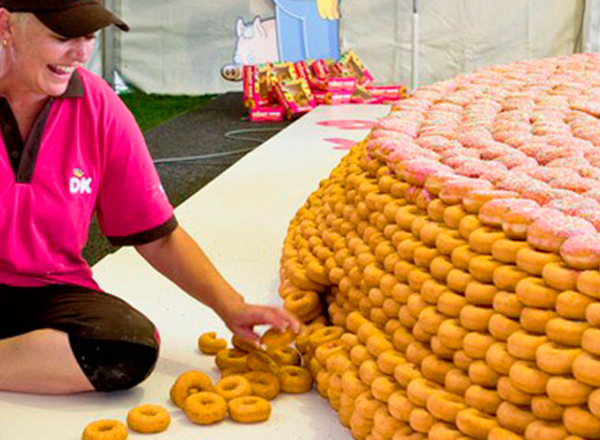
(41, 361)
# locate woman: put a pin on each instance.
(71, 148)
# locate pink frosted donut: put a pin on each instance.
(575, 163)
(571, 205)
(476, 168)
(454, 190)
(491, 212)
(549, 232)
(592, 216)
(461, 152)
(473, 137)
(399, 125)
(494, 151)
(575, 183)
(437, 143)
(513, 160)
(517, 182)
(591, 173)
(538, 191)
(474, 200)
(379, 133)
(515, 223)
(415, 171)
(581, 252)
(494, 176)
(519, 139)
(434, 182)
(547, 155)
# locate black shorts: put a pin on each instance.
(116, 345)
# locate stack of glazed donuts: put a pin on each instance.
(455, 253)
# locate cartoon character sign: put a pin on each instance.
(301, 29)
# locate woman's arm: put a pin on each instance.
(179, 258)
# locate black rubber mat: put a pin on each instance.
(203, 131)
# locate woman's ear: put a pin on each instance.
(5, 26)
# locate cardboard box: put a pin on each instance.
(295, 96)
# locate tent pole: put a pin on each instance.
(108, 49)
(415, 46)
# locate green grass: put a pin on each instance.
(152, 110)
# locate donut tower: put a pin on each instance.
(448, 268)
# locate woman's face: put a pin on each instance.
(43, 60)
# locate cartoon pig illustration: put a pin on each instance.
(256, 43)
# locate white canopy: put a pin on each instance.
(179, 47)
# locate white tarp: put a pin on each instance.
(179, 47)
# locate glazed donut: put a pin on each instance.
(451, 334)
(473, 423)
(431, 290)
(475, 318)
(507, 304)
(514, 417)
(566, 332)
(457, 280)
(501, 327)
(499, 359)
(502, 434)
(588, 283)
(482, 239)
(516, 222)
(560, 277)
(325, 351)
(590, 341)
(285, 356)
(208, 343)
(378, 344)
(383, 387)
(545, 409)
(482, 268)
(453, 191)
(533, 292)
(360, 427)
(366, 405)
(466, 223)
(148, 419)
(359, 354)
(399, 406)
(105, 429)
(352, 385)
(405, 215)
(445, 406)
(580, 422)
(430, 231)
(303, 304)
(263, 384)
(275, 338)
(540, 430)
(549, 232)
(242, 344)
(205, 408)
(430, 320)
(592, 314)
(402, 338)
(419, 390)
(389, 360)
(526, 377)
(435, 210)
(441, 350)
(482, 399)
(416, 352)
(435, 369)
(476, 344)
(324, 335)
(421, 421)
(233, 386)
(572, 305)
(567, 391)
(507, 391)
(461, 256)
(249, 409)
(556, 359)
(261, 361)
(457, 382)
(473, 201)
(449, 240)
(482, 374)
(594, 402)
(523, 345)
(294, 379)
(581, 252)
(462, 360)
(507, 277)
(417, 277)
(189, 383)
(533, 261)
(353, 321)
(480, 294)
(385, 424)
(405, 373)
(534, 320)
(505, 250)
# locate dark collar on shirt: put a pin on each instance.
(75, 87)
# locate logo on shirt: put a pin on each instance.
(79, 184)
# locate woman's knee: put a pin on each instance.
(114, 365)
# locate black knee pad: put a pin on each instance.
(113, 365)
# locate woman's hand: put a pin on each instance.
(241, 318)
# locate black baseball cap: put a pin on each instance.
(69, 18)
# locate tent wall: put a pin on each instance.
(179, 47)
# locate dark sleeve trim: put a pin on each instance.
(146, 236)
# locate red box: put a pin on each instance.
(350, 62)
(391, 92)
(295, 96)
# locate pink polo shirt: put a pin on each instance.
(85, 154)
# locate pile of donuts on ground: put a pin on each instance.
(455, 253)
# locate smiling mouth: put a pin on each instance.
(60, 69)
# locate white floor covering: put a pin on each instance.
(240, 220)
